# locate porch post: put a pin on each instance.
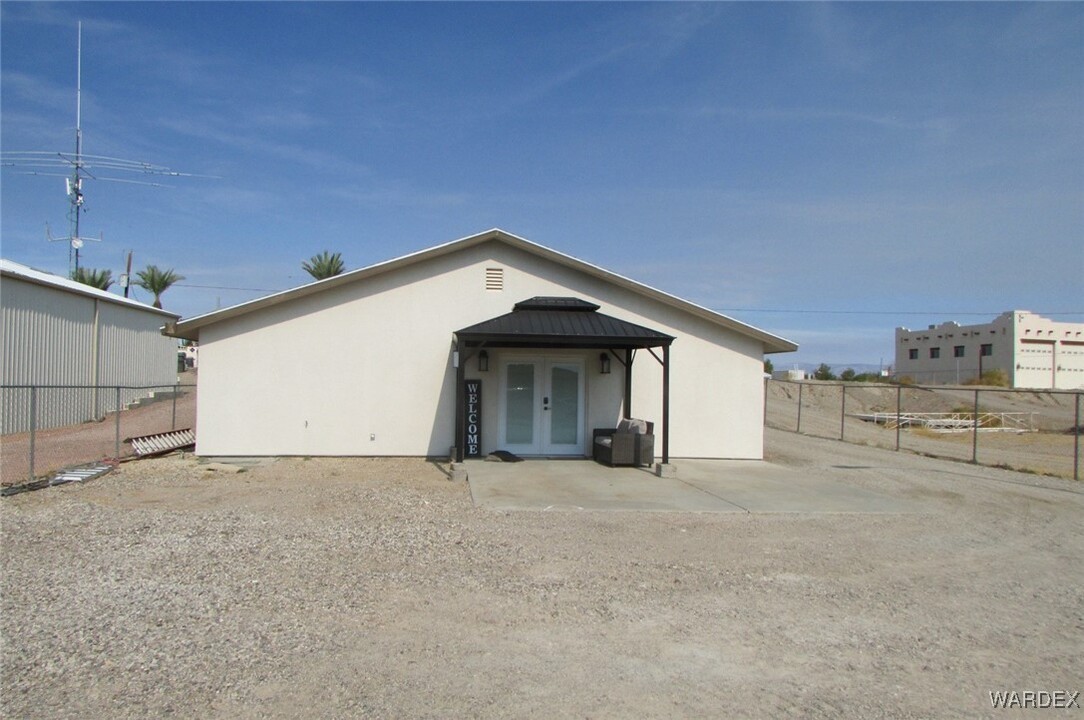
(460, 398)
(628, 383)
(666, 404)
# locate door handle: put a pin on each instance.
(545, 403)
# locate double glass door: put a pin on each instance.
(542, 404)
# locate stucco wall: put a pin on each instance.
(365, 368)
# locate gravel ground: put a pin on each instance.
(373, 588)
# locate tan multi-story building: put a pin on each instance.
(1033, 351)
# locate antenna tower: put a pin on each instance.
(81, 166)
(75, 184)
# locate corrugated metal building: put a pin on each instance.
(55, 331)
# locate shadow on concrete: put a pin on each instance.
(721, 486)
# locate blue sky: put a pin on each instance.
(823, 171)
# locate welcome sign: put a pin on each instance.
(472, 421)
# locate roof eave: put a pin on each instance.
(92, 293)
(567, 341)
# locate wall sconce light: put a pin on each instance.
(483, 361)
(604, 363)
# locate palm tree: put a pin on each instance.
(100, 279)
(324, 265)
(157, 282)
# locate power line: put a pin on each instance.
(224, 287)
(890, 312)
(748, 310)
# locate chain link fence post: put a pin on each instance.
(975, 431)
(1076, 441)
(798, 429)
(842, 409)
(899, 406)
(33, 426)
(116, 438)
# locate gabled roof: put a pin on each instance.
(9, 268)
(560, 322)
(190, 328)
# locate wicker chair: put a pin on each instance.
(632, 442)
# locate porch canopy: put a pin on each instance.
(563, 323)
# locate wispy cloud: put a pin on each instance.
(26, 89)
(399, 195)
(55, 16)
(842, 41)
(258, 140)
(941, 126)
(550, 83)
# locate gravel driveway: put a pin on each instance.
(353, 588)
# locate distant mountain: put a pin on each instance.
(837, 368)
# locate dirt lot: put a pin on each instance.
(63, 447)
(1048, 451)
(354, 588)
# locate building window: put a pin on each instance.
(958, 351)
(986, 350)
(912, 354)
(935, 352)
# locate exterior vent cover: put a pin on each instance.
(495, 279)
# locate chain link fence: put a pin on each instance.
(49, 428)
(1030, 430)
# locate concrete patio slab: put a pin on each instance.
(699, 486)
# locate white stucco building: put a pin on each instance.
(1033, 352)
(375, 361)
(55, 331)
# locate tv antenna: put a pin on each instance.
(81, 166)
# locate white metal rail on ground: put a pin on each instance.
(162, 442)
(955, 422)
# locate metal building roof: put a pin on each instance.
(13, 269)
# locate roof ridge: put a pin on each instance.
(189, 328)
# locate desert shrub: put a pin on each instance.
(994, 378)
(968, 413)
(868, 377)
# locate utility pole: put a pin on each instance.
(127, 279)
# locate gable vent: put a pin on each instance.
(495, 279)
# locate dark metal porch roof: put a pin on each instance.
(560, 323)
